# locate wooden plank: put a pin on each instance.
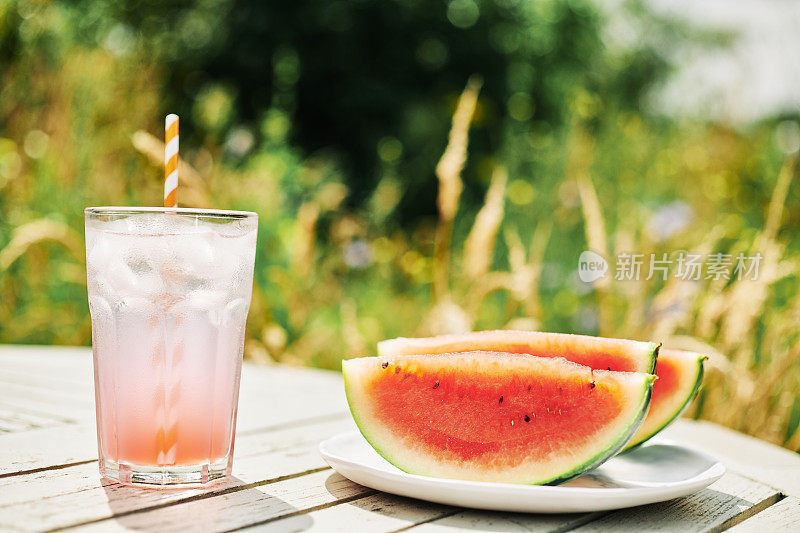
(277, 395)
(294, 497)
(50, 396)
(717, 505)
(23, 420)
(723, 504)
(45, 448)
(783, 516)
(378, 512)
(508, 522)
(50, 406)
(48, 379)
(26, 351)
(57, 362)
(26, 410)
(741, 453)
(63, 497)
(385, 512)
(11, 424)
(52, 382)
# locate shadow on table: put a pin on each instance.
(707, 507)
(401, 510)
(227, 505)
(337, 486)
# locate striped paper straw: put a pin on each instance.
(171, 161)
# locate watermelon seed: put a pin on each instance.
(385, 364)
(512, 422)
(501, 399)
(529, 388)
(527, 418)
(435, 384)
(591, 384)
(608, 367)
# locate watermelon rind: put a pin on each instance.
(640, 355)
(613, 447)
(638, 439)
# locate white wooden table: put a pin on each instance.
(49, 479)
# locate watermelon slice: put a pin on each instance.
(488, 416)
(594, 352)
(679, 373)
(679, 377)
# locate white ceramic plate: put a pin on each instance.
(653, 473)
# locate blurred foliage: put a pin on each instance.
(330, 118)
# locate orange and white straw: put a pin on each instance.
(171, 161)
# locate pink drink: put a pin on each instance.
(169, 291)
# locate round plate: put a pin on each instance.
(653, 473)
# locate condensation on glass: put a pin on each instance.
(169, 291)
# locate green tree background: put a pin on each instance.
(329, 118)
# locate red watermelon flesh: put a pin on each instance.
(680, 375)
(595, 352)
(490, 416)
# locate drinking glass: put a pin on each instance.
(169, 291)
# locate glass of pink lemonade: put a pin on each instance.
(169, 292)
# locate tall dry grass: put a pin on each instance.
(753, 346)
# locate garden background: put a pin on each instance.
(420, 168)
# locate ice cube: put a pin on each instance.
(103, 326)
(207, 304)
(235, 313)
(190, 263)
(133, 273)
(99, 250)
